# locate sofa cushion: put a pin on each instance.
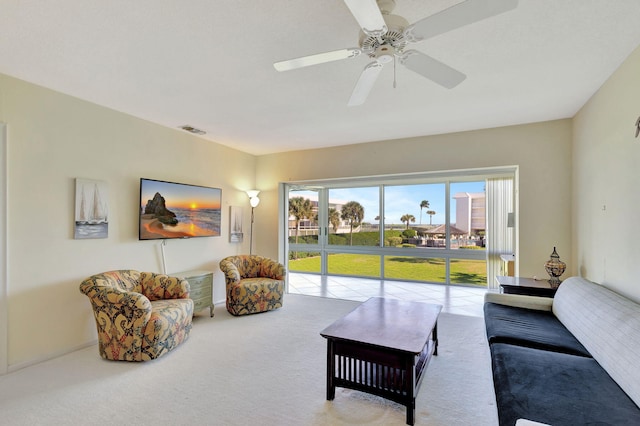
(557, 389)
(607, 324)
(529, 327)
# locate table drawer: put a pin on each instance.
(200, 304)
(200, 289)
(200, 282)
(200, 292)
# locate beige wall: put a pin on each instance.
(53, 139)
(591, 161)
(606, 192)
(542, 151)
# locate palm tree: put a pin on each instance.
(408, 218)
(424, 204)
(334, 219)
(300, 208)
(430, 213)
(352, 212)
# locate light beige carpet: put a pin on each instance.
(265, 369)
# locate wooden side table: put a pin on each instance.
(200, 289)
(525, 286)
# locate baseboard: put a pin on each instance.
(20, 366)
(15, 367)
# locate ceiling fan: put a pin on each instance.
(383, 37)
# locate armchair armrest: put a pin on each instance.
(520, 301)
(231, 272)
(136, 306)
(272, 269)
(121, 317)
(128, 299)
(161, 286)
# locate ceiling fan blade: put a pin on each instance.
(457, 16)
(368, 15)
(365, 83)
(319, 58)
(432, 69)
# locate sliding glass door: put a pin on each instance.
(421, 229)
(303, 230)
(467, 230)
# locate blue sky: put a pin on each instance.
(402, 199)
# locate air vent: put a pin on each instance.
(193, 130)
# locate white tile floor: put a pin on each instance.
(454, 299)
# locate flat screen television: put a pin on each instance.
(178, 210)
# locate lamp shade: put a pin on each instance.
(253, 197)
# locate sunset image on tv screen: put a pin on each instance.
(176, 210)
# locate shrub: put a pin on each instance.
(304, 239)
(409, 233)
(393, 241)
(301, 254)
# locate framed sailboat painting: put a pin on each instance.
(92, 209)
(235, 224)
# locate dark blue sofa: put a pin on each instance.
(571, 360)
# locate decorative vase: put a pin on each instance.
(555, 267)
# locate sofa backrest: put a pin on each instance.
(607, 324)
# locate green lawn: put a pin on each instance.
(398, 267)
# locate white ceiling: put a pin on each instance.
(208, 63)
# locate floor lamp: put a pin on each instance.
(254, 201)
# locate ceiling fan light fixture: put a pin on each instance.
(394, 36)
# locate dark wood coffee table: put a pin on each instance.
(382, 347)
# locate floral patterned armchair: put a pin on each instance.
(139, 315)
(254, 284)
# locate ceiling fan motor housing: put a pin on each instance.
(390, 43)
